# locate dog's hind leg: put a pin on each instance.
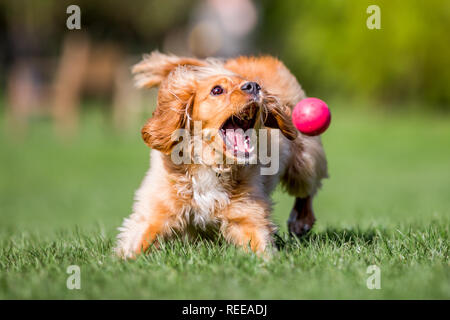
(302, 217)
(306, 167)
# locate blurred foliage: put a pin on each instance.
(327, 45)
(324, 42)
(140, 23)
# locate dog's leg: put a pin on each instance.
(246, 224)
(302, 217)
(143, 229)
(306, 168)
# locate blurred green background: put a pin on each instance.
(324, 42)
(71, 154)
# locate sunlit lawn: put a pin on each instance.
(387, 203)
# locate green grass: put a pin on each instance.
(386, 203)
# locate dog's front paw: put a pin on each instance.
(125, 248)
(122, 253)
(129, 240)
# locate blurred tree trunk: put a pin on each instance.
(68, 83)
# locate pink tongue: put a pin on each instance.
(236, 138)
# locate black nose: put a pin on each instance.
(251, 87)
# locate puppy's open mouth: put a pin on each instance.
(234, 128)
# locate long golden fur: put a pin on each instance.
(204, 197)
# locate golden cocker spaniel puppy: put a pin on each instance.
(222, 138)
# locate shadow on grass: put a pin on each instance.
(287, 242)
(330, 235)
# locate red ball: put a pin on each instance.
(311, 116)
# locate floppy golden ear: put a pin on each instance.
(175, 99)
(277, 116)
(155, 67)
(175, 95)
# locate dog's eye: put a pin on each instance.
(217, 90)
